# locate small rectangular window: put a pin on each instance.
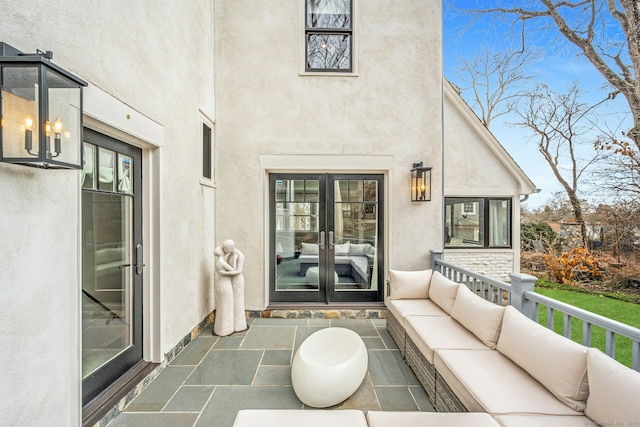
(478, 222)
(206, 151)
(328, 34)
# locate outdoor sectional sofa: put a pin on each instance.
(472, 355)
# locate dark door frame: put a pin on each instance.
(101, 379)
(326, 293)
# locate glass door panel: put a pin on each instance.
(296, 236)
(107, 279)
(357, 226)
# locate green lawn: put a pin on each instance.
(621, 311)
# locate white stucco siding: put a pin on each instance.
(265, 107)
(156, 58)
(472, 167)
(38, 297)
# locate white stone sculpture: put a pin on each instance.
(229, 290)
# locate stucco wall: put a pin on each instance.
(265, 107)
(155, 57)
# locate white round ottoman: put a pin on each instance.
(312, 276)
(328, 367)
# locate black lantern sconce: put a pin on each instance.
(420, 183)
(40, 111)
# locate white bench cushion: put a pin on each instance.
(402, 308)
(614, 391)
(443, 291)
(534, 420)
(409, 284)
(481, 317)
(299, 417)
(403, 419)
(557, 362)
(439, 332)
(487, 381)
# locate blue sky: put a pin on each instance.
(559, 67)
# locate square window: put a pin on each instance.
(477, 222)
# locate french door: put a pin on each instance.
(111, 261)
(326, 238)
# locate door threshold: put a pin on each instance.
(105, 401)
(343, 310)
(330, 305)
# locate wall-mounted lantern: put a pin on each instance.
(40, 111)
(420, 183)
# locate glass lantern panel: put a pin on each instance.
(125, 179)
(106, 170)
(20, 121)
(64, 119)
(89, 167)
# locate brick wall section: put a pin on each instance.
(494, 264)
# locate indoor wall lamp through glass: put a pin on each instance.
(40, 111)
(420, 183)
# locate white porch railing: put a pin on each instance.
(521, 294)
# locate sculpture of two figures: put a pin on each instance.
(229, 290)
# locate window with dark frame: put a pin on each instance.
(328, 35)
(206, 151)
(477, 222)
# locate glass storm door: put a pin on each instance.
(326, 238)
(111, 262)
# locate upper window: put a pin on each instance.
(328, 33)
(477, 222)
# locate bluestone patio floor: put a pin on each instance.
(214, 377)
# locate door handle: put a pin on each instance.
(331, 240)
(321, 240)
(139, 265)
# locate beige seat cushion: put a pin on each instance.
(487, 381)
(443, 291)
(614, 391)
(402, 308)
(436, 332)
(404, 419)
(299, 417)
(478, 315)
(409, 284)
(534, 420)
(557, 362)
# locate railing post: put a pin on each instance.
(521, 283)
(436, 255)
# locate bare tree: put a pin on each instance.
(495, 80)
(620, 222)
(561, 123)
(593, 27)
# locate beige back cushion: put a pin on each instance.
(443, 291)
(479, 316)
(556, 362)
(614, 391)
(409, 284)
